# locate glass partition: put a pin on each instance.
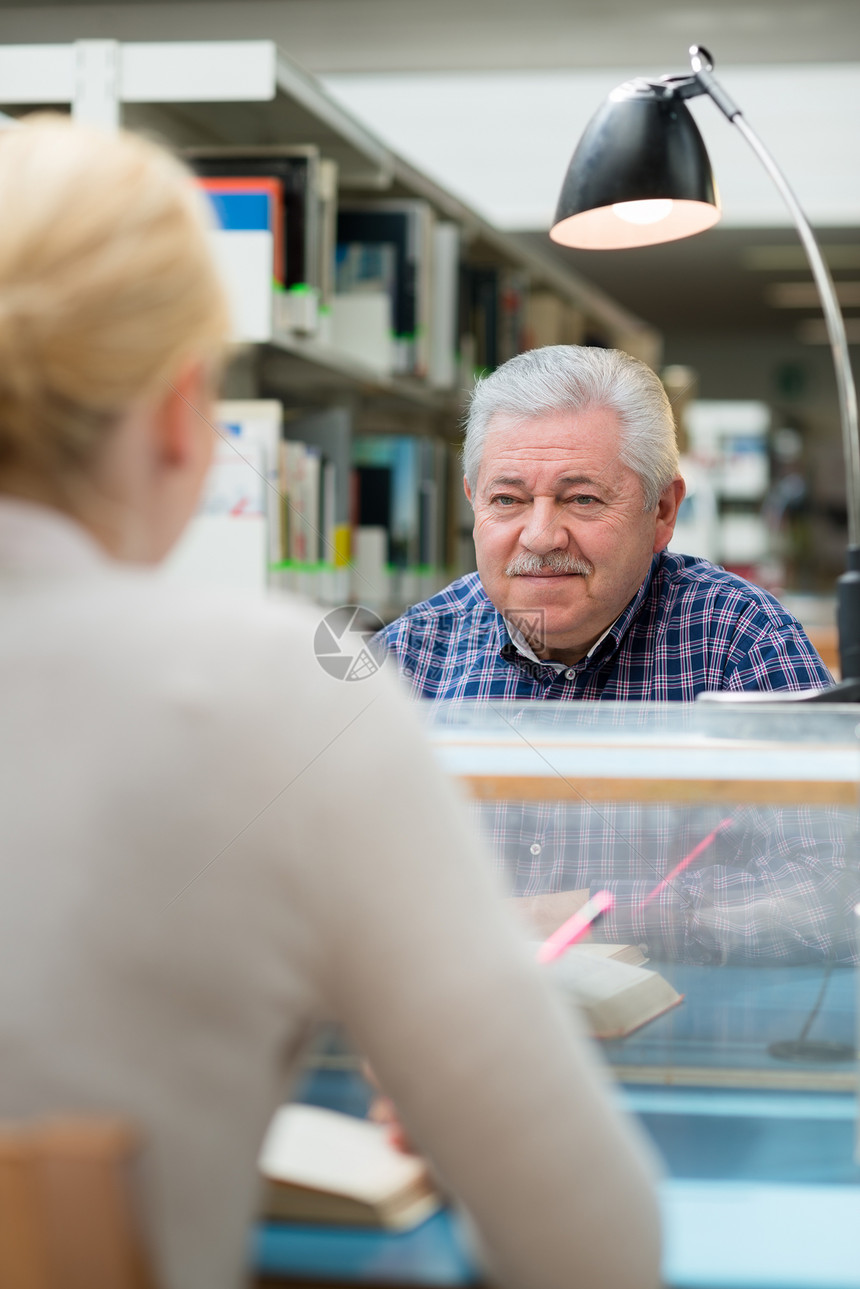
(726, 838)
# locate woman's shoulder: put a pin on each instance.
(279, 658)
(211, 621)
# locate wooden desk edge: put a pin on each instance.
(740, 792)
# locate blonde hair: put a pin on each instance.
(107, 287)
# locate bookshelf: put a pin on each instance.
(249, 96)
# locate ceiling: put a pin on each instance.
(723, 279)
(709, 282)
(403, 35)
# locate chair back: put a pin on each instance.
(68, 1211)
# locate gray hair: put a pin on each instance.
(562, 378)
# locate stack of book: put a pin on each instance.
(397, 271)
(300, 282)
(301, 502)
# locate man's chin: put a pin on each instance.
(545, 629)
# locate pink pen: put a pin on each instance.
(575, 927)
(687, 860)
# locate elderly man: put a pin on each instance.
(572, 472)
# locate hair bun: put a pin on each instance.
(107, 285)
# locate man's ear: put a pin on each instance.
(468, 492)
(667, 513)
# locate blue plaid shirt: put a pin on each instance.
(690, 627)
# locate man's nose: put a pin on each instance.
(545, 528)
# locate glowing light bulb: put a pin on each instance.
(643, 212)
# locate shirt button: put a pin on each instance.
(407, 671)
(570, 673)
(534, 848)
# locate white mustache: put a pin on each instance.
(529, 564)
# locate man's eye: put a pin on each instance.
(585, 499)
(504, 501)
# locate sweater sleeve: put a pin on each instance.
(417, 955)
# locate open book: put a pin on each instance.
(617, 997)
(323, 1166)
(617, 952)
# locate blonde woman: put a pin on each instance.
(208, 842)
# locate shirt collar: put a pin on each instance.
(523, 647)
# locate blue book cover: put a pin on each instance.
(241, 210)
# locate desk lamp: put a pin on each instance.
(640, 175)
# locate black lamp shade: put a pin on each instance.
(640, 147)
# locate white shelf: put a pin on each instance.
(230, 91)
(286, 353)
(251, 93)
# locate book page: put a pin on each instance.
(309, 1146)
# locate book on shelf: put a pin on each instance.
(371, 581)
(369, 508)
(363, 268)
(329, 432)
(493, 302)
(372, 491)
(479, 316)
(444, 306)
(257, 422)
(299, 488)
(548, 319)
(315, 465)
(320, 1165)
(363, 321)
(406, 228)
(401, 484)
(462, 522)
(616, 997)
(244, 203)
(436, 470)
(412, 261)
(308, 184)
(310, 538)
(236, 530)
(513, 288)
(248, 250)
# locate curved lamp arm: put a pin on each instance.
(702, 66)
(704, 82)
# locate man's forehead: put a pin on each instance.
(579, 439)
